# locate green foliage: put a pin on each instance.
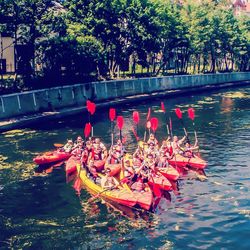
(92, 37)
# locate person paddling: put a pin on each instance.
(109, 182)
(176, 144)
(188, 149)
(68, 146)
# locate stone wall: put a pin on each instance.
(52, 99)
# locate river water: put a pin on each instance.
(42, 211)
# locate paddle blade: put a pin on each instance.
(120, 122)
(87, 130)
(154, 123)
(148, 125)
(163, 107)
(58, 145)
(149, 114)
(88, 105)
(178, 113)
(91, 107)
(136, 117)
(112, 114)
(191, 113)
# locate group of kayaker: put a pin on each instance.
(138, 168)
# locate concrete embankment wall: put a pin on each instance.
(52, 99)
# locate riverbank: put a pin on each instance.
(25, 120)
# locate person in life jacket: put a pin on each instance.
(151, 162)
(77, 151)
(79, 142)
(176, 144)
(109, 182)
(68, 146)
(115, 155)
(98, 145)
(152, 150)
(153, 140)
(128, 169)
(188, 149)
(86, 152)
(91, 168)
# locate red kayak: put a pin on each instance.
(159, 181)
(182, 161)
(170, 173)
(50, 157)
(70, 166)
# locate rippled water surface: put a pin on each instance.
(41, 211)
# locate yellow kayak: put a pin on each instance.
(121, 195)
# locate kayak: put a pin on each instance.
(115, 168)
(70, 166)
(50, 157)
(159, 181)
(182, 161)
(170, 173)
(121, 196)
(144, 198)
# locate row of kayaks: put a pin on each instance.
(162, 180)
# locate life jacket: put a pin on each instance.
(96, 154)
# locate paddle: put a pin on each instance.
(97, 195)
(164, 111)
(154, 124)
(136, 119)
(179, 115)
(120, 123)
(91, 107)
(147, 124)
(112, 115)
(58, 145)
(191, 115)
(87, 130)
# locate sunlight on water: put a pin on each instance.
(40, 211)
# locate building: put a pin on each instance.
(241, 7)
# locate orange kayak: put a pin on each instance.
(170, 173)
(50, 157)
(182, 161)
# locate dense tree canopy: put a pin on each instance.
(80, 38)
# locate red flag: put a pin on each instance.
(120, 122)
(163, 107)
(154, 123)
(112, 114)
(136, 117)
(149, 113)
(178, 113)
(191, 113)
